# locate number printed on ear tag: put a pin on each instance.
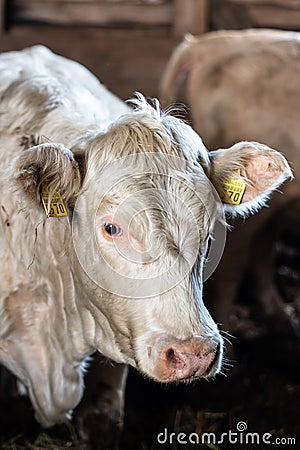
(56, 208)
(234, 189)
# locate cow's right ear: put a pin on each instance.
(246, 174)
(51, 163)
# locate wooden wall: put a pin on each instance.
(195, 16)
(239, 14)
(127, 43)
(179, 15)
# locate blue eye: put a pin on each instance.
(112, 230)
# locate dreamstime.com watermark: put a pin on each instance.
(240, 436)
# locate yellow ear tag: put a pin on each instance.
(233, 190)
(56, 208)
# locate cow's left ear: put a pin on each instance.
(51, 163)
(246, 174)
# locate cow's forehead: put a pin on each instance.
(154, 164)
(140, 133)
(173, 201)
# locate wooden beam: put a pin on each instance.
(92, 13)
(283, 3)
(190, 16)
(268, 16)
(283, 14)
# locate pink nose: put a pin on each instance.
(193, 358)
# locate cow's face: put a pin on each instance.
(145, 211)
(150, 227)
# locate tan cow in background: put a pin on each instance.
(242, 85)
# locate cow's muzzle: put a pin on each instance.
(176, 360)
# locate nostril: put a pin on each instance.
(173, 359)
(170, 354)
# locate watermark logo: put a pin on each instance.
(241, 426)
(239, 436)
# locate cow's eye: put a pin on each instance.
(112, 229)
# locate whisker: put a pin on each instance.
(226, 336)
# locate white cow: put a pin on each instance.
(122, 272)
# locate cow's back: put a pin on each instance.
(43, 97)
(74, 78)
(241, 85)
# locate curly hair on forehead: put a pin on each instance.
(145, 129)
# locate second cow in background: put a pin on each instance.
(242, 85)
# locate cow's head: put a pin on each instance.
(148, 197)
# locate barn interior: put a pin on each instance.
(127, 44)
